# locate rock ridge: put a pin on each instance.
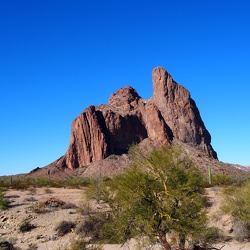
(107, 129)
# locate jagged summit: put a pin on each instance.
(109, 129)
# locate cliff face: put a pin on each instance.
(180, 112)
(127, 118)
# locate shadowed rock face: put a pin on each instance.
(127, 118)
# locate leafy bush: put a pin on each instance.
(159, 194)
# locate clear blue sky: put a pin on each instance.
(58, 57)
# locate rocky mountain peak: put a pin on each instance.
(127, 118)
(126, 98)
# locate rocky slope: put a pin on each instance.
(101, 131)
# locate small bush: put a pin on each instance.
(241, 231)
(26, 226)
(64, 227)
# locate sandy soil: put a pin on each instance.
(44, 235)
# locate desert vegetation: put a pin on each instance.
(160, 200)
(161, 194)
(31, 183)
(237, 203)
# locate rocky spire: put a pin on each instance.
(127, 118)
(180, 111)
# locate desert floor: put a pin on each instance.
(25, 204)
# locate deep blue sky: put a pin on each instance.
(59, 57)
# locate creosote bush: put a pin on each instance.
(159, 194)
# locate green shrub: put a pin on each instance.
(160, 193)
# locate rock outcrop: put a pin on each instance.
(127, 119)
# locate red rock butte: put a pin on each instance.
(109, 129)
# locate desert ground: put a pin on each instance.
(64, 204)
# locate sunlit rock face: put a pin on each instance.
(127, 119)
